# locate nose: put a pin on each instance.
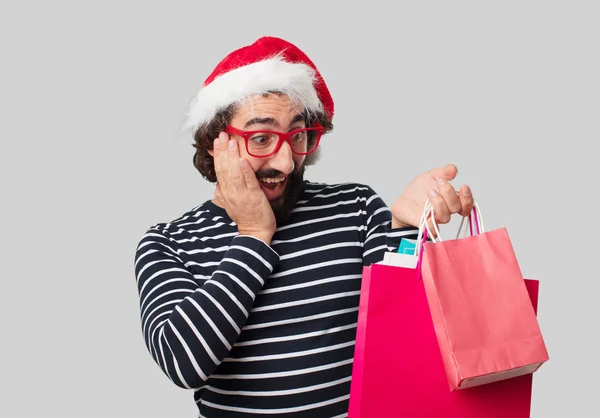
(283, 159)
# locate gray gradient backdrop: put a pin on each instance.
(92, 97)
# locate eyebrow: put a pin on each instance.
(271, 121)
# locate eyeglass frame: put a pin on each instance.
(283, 137)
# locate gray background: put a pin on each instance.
(92, 97)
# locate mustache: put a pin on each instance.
(269, 173)
(274, 173)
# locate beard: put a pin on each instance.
(284, 204)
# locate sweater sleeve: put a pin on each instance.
(190, 325)
(379, 235)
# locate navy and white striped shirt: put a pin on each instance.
(257, 329)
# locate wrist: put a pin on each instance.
(264, 236)
(396, 224)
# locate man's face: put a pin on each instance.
(281, 174)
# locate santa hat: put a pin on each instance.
(269, 64)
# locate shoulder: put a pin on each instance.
(338, 189)
(335, 192)
(203, 219)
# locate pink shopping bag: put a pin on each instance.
(398, 369)
(482, 314)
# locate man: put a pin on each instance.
(251, 298)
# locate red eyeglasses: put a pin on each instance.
(266, 143)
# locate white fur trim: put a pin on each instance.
(292, 79)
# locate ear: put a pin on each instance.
(211, 152)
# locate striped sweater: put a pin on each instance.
(256, 329)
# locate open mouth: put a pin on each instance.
(272, 186)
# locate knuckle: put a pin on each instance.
(466, 196)
(469, 204)
(439, 206)
(454, 206)
(444, 218)
(467, 201)
(441, 215)
(447, 187)
(232, 198)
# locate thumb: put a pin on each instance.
(449, 171)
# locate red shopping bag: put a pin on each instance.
(484, 321)
(398, 369)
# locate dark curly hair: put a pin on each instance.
(207, 133)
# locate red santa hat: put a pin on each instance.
(269, 64)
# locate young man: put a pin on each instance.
(251, 298)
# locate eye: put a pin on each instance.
(260, 139)
(299, 136)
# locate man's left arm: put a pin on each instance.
(384, 233)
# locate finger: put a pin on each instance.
(448, 193)
(440, 208)
(220, 157)
(466, 200)
(235, 173)
(449, 172)
(249, 175)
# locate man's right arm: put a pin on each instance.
(190, 325)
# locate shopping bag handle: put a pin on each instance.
(475, 213)
(428, 212)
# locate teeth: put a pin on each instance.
(271, 180)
